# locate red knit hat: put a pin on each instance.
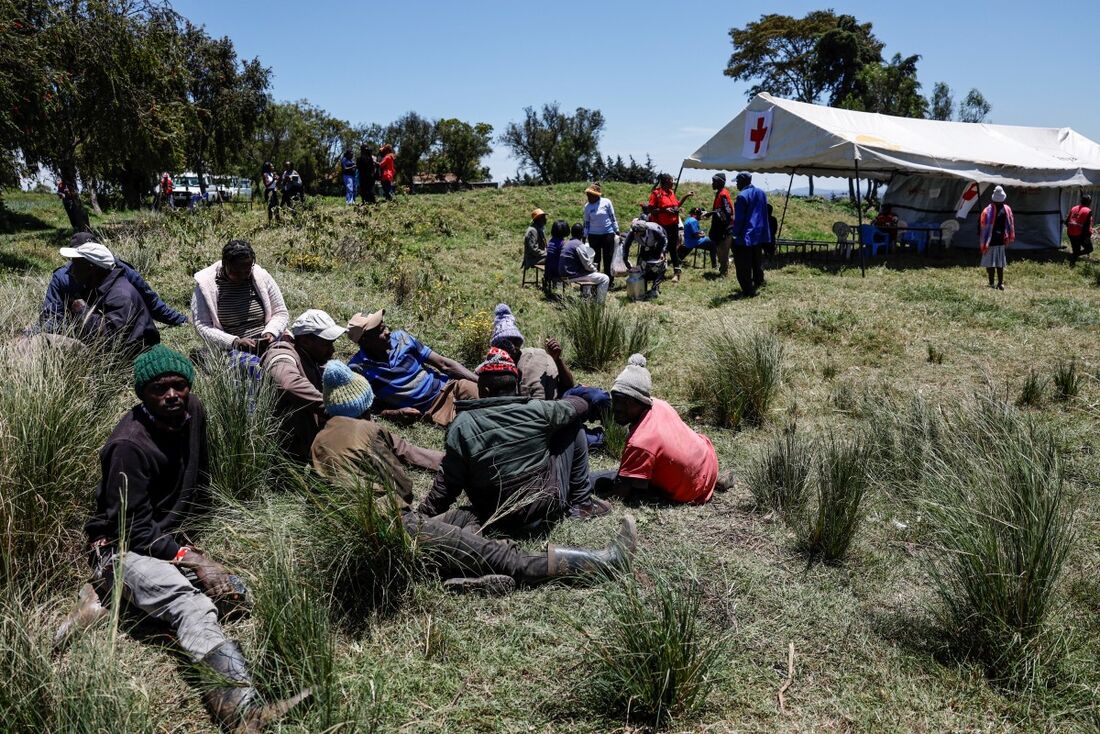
(497, 360)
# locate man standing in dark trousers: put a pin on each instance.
(368, 173)
(750, 233)
(154, 484)
(1079, 228)
(721, 217)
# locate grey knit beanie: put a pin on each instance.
(634, 381)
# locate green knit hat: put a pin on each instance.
(160, 361)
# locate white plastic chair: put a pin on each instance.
(844, 245)
(948, 230)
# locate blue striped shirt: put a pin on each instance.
(599, 218)
(402, 380)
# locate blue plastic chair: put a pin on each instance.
(873, 238)
(917, 240)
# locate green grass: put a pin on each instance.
(874, 649)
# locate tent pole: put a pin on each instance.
(681, 173)
(786, 201)
(859, 213)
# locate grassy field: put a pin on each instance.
(871, 649)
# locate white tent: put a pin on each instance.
(927, 164)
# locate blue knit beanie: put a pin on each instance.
(504, 326)
(347, 393)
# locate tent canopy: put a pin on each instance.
(815, 140)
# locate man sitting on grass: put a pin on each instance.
(522, 463)
(352, 448)
(577, 264)
(294, 364)
(64, 289)
(155, 484)
(411, 381)
(663, 458)
(543, 373)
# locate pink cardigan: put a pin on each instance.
(204, 306)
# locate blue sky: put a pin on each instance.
(653, 68)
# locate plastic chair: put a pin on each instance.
(948, 230)
(873, 238)
(844, 245)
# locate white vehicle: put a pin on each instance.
(187, 189)
(233, 188)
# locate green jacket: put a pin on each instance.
(498, 453)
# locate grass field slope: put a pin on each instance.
(911, 545)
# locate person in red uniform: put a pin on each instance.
(664, 209)
(721, 222)
(1079, 228)
(387, 170)
(664, 458)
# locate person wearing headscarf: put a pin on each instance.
(998, 231)
(663, 457)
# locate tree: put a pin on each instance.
(779, 53)
(411, 136)
(555, 146)
(841, 54)
(460, 147)
(942, 103)
(974, 108)
(632, 172)
(890, 89)
(308, 137)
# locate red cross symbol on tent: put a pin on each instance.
(757, 134)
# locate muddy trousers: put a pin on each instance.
(453, 545)
(167, 593)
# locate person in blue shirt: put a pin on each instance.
(600, 228)
(751, 232)
(64, 289)
(693, 237)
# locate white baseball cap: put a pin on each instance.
(93, 252)
(317, 322)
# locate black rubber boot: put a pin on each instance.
(595, 564)
(234, 703)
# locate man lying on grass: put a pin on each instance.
(352, 448)
(411, 381)
(663, 458)
(522, 463)
(154, 483)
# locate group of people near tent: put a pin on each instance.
(514, 458)
(594, 251)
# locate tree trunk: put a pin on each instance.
(852, 191)
(93, 197)
(74, 208)
(811, 180)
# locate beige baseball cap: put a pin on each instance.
(361, 322)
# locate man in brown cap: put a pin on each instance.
(410, 381)
(534, 241)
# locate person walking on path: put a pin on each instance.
(387, 171)
(751, 232)
(664, 209)
(155, 483)
(1079, 229)
(998, 231)
(600, 228)
(368, 173)
(355, 451)
(347, 171)
(721, 222)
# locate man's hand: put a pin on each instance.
(77, 306)
(212, 575)
(553, 348)
(404, 416)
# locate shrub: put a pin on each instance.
(1067, 380)
(826, 533)
(739, 377)
(781, 475)
(652, 660)
(243, 429)
(901, 437)
(1002, 535)
(474, 332)
(57, 404)
(1031, 391)
(602, 333)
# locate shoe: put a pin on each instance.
(490, 585)
(591, 508)
(234, 702)
(88, 611)
(675, 277)
(595, 564)
(1000, 286)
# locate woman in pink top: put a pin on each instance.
(663, 457)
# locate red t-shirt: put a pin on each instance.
(1078, 220)
(386, 166)
(658, 200)
(676, 460)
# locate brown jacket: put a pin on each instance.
(301, 403)
(359, 449)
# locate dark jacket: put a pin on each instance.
(63, 289)
(116, 312)
(498, 453)
(750, 218)
(162, 474)
(368, 168)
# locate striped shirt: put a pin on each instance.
(240, 310)
(401, 380)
